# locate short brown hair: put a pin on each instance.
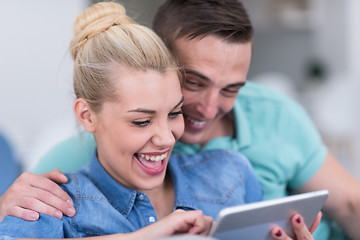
(227, 19)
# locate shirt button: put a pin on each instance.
(141, 197)
(151, 219)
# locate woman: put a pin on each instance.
(128, 95)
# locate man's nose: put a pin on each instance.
(209, 105)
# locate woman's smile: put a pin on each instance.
(152, 164)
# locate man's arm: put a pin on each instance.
(32, 194)
(343, 204)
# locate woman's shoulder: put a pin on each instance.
(212, 173)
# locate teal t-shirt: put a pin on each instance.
(272, 131)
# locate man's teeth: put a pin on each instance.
(154, 158)
(196, 123)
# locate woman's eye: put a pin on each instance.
(175, 114)
(141, 123)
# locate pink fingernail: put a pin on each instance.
(278, 233)
(34, 216)
(298, 220)
(58, 214)
(70, 212)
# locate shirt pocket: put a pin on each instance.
(216, 178)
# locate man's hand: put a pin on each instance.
(32, 194)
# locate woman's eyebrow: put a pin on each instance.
(142, 110)
(181, 101)
(148, 111)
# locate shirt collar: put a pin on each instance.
(121, 197)
(183, 199)
(241, 139)
(242, 129)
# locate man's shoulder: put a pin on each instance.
(253, 91)
(257, 98)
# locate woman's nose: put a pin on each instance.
(164, 137)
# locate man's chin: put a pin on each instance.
(191, 138)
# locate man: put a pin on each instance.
(212, 41)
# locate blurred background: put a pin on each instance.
(309, 49)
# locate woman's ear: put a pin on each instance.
(84, 115)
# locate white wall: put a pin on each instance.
(36, 72)
(36, 69)
(328, 31)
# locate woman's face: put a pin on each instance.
(135, 134)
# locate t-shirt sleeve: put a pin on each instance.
(306, 148)
(68, 155)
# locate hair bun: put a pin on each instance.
(96, 19)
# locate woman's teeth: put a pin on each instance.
(154, 158)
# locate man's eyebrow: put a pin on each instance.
(205, 78)
(192, 72)
(236, 85)
(147, 111)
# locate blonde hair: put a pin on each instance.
(104, 35)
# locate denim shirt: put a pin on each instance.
(208, 181)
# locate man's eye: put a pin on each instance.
(141, 123)
(227, 92)
(193, 85)
(175, 114)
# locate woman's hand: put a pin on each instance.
(300, 229)
(178, 222)
(32, 194)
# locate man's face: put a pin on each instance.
(215, 71)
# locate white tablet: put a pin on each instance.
(255, 220)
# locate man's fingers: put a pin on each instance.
(52, 193)
(36, 193)
(56, 175)
(44, 183)
(47, 203)
(23, 213)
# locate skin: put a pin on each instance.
(133, 129)
(227, 65)
(300, 229)
(137, 127)
(210, 87)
